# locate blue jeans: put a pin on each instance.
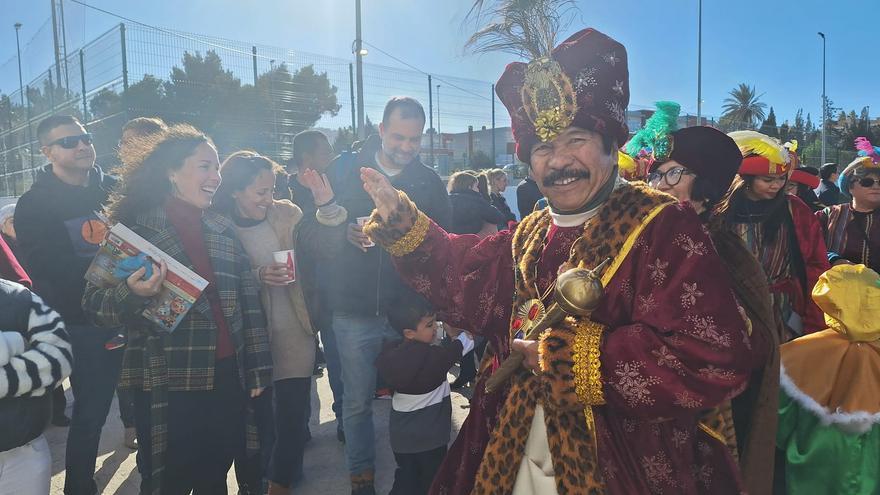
(93, 381)
(359, 340)
(334, 371)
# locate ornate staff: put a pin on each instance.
(578, 291)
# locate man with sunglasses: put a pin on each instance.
(852, 230)
(59, 234)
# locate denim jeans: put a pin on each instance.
(93, 381)
(359, 340)
(334, 371)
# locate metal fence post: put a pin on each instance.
(492, 97)
(30, 136)
(431, 116)
(351, 86)
(51, 91)
(254, 51)
(124, 51)
(82, 75)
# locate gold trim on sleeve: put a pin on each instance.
(412, 239)
(587, 372)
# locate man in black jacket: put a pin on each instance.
(312, 150)
(828, 192)
(527, 194)
(363, 282)
(59, 234)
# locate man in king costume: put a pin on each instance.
(610, 402)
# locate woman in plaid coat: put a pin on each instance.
(190, 385)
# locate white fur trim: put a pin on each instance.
(852, 422)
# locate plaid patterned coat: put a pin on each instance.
(159, 362)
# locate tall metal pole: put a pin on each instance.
(18, 51)
(351, 89)
(254, 63)
(438, 118)
(431, 117)
(55, 43)
(359, 60)
(824, 100)
(700, 64)
(64, 47)
(492, 97)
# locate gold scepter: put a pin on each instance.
(578, 291)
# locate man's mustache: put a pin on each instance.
(566, 173)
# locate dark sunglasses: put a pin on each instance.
(70, 142)
(868, 182)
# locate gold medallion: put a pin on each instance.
(527, 315)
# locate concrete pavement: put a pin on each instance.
(325, 471)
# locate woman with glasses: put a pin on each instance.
(852, 230)
(698, 170)
(778, 228)
(191, 384)
(266, 227)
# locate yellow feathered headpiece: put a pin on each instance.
(762, 154)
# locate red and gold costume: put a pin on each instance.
(616, 406)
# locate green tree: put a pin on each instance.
(481, 160)
(798, 131)
(784, 132)
(768, 127)
(147, 98)
(743, 108)
(105, 103)
(345, 137)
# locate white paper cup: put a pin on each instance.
(286, 257)
(361, 222)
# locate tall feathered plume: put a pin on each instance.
(654, 139)
(865, 148)
(527, 28)
(755, 143)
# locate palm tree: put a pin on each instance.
(743, 109)
(527, 28)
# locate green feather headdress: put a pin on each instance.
(654, 141)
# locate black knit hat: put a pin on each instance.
(707, 152)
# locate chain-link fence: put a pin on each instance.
(245, 96)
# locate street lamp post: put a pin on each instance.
(359, 62)
(438, 116)
(18, 51)
(824, 101)
(700, 63)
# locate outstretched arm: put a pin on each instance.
(469, 280)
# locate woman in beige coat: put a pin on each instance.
(266, 226)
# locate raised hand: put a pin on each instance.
(384, 195)
(318, 184)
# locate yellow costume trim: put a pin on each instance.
(712, 433)
(587, 375)
(412, 239)
(629, 243)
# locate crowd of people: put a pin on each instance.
(737, 289)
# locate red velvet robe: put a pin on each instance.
(676, 345)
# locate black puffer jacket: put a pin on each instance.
(470, 211)
(364, 283)
(27, 378)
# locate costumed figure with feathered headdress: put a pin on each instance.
(829, 404)
(614, 379)
(778, 228)
(852, 229)
(697, 165)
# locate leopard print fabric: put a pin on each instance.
(572, 444)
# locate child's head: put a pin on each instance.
(413, 318)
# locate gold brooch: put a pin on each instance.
(550, 123)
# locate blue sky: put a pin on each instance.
(771, 44)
